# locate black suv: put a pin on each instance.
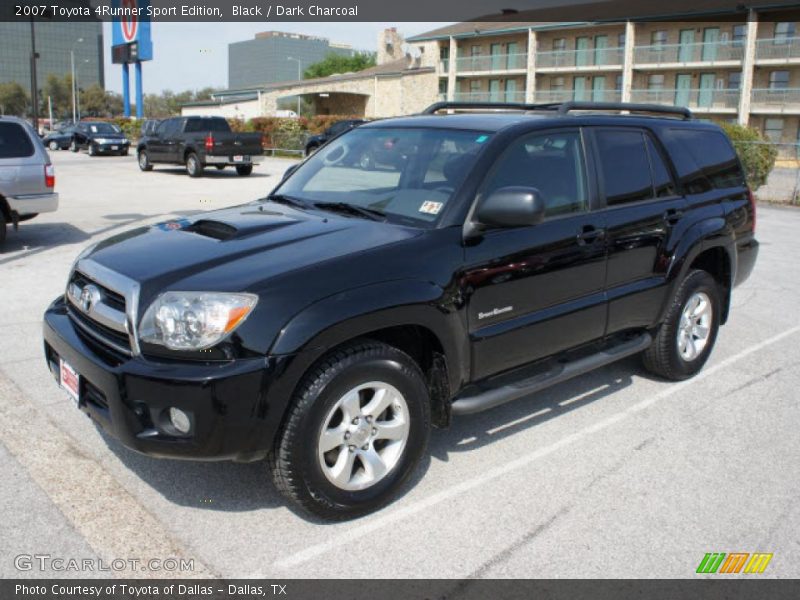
(330, 324)
(314, 142)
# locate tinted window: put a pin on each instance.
(338, 128)
(551, 163)
(714, 159)
(14, 141)
(625, 167)
(203, 125)
(166, 127)
(662, 179)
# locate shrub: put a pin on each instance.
(756, 153)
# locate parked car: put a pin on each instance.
(27, 178)
(98, 137)
(60, 139)
(314, 142)
(198, 142)
(331, 324)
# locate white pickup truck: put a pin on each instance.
(27, 177)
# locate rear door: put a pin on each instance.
(535, 291)
(643, 207)
(21, 165)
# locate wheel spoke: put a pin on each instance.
(395, 429)
(351, 405)
(373, 463)
(699, 307)
(342, 471)
(332, 438)
(379, 403)
(700, 332)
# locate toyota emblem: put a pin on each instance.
(90, 296)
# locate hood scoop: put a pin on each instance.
(213, 229)
(222, 231)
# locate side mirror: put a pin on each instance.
(512, 207)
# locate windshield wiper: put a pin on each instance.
(290, 200)
(343, 207)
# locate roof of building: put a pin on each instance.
(613, 11)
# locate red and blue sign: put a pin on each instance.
(132, 27)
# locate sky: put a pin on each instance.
(190, 56)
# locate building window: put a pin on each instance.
(784, 32)
(475, 50)
(618, 83)
(443, 87)
(559, 45)
(739, 35)
(773, 130)
(621, 40)
(735, 80)
(557, 83)
(779, 80)
(655, 82)
(658, 38)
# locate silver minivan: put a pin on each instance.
(27, 177)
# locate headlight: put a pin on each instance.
(124, 141)
(194, 320)
(100, 140)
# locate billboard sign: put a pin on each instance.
(132, 29)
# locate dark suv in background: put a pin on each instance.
(314, 142)
(329, 325)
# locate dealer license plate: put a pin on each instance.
(238, 158)
(70, 381)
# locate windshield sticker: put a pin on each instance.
(482, 139)
(431, 208)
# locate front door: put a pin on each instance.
(710, 43)
(706, 97)
(686, 47)
(511, 90)
(494, 90)
(599, 89)
(496, 53)
(600, 50)
(582, 51)
(579, 88)
(512, 60)
(683, 91)
(535, 291)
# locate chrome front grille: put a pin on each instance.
(102, 304)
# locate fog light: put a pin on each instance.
(180, 420)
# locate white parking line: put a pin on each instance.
(523, 461)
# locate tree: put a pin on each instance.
(94, 102)
(59, 90)
(757, 154)
(13, 99)
(338, 63)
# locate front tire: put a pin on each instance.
(357, 427)
(73, 146)
(686, 338)
(53, 145)
(244, 170)
(193, 165)
(92, 150)
(144, 161)
(3, 228)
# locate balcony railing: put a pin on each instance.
(597, 57)
(712, 99)
(498, 96)
(779, 99)
(491, 63)
(709, 52)
(778, 49)
(589, 95)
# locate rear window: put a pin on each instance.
(204, 125)
(14, 141)
(713, 164)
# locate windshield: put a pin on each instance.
(103, 128)
(408, 174)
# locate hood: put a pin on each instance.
(239, 248)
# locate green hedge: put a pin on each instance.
(756, 153)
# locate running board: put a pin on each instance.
(564, 371)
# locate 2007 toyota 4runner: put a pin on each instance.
(412, 269)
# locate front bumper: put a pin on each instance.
(130, 397)
(111, 147)
(33, 204)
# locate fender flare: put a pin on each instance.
(704, 235)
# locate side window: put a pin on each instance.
(14, 141)
(713, 158)
(662, 180)
(552, 163)
(164, 127)
(624, 166)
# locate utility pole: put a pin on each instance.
(34, 86)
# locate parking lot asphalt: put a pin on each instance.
(613, 474)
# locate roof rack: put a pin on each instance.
(434, 108)
(564, 108)
(655, 109)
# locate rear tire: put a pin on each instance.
(686, 338)
(144, 161)
(54, 146)
(92, 150)
(358, 424)
(244, 170)
(193, 165)
(3, 227)
(73, 146)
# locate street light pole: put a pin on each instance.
(299, 78)
(34, 85)
(72, 65)
(77, 90)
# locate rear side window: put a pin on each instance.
(204, 125)
(14, 141)
(662, 180)
(625, 166)
(713, 164)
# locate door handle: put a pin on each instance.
(590, 234)
(673, 216)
